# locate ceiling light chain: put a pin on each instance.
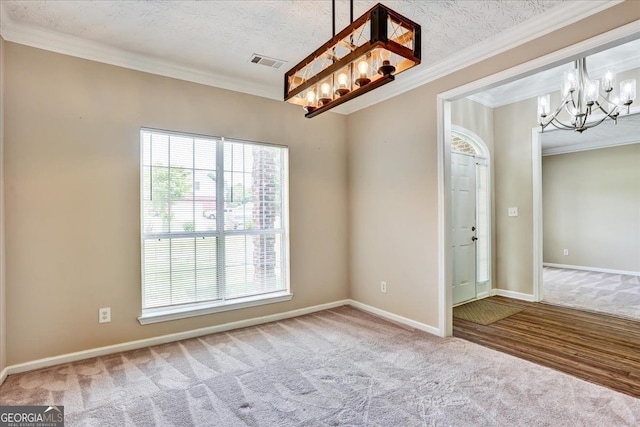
(582, 97)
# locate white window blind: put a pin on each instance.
(214, 220)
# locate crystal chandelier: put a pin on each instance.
(367, 54)
(581, 97)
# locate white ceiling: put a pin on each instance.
(617, 59)
(211, 41)
(606, 134)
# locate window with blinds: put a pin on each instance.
(214, 222)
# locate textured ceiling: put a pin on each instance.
(218, 37)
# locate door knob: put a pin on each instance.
(474, 238)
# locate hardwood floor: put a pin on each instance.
(601, 349)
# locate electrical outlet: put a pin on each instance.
(104, 315)
(383, 287)
(565, 252)
(512, 211)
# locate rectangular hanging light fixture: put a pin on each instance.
(364, 56)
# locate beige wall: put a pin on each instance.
(3, 323)
(72, 175)
(393, 176)
(514, 188)
(478, 119)
(360, 212)
(591, 203)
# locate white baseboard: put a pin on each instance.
(163, 339)
(486, 294)
(3, 375)
(596, 269)
(513, 294)
(395, 318)
(133, 345)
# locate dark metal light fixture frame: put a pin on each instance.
(391, 46)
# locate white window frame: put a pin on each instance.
(174, 312)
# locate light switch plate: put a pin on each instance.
(513, 211)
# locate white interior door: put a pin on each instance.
(463, 236)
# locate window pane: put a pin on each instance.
(205, 200)
(181, 152)
(253, 264)
(157, 276)
(181, 204)
(482, 244)
(183, 278)
(206, 269)
(205, 153)
(156, 208)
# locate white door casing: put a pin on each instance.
(463, 247)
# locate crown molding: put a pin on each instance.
(86, 49)
(536, 27)
(594, 145)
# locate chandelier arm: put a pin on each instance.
(575, 107)
(611, 113)
(594, 124)
(559, 125)
(559, 109)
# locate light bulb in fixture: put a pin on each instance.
(325, 93)
(544, 104)
(628, 92)
(570, 81)
(311, 102)
(608, 81)
(386, 68)
(343, 81)
(592, 91)
(311, 97)
(363, 68)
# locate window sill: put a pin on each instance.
(156, 315)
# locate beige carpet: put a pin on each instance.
(606, 293)
(334, 368)
(483, 312)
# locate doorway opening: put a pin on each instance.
(518, 262)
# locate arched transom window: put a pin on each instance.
(461, 146)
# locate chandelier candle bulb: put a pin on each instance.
(627, 92)
(570, 81)
(592, 92)
(608, 81)
(544, 103)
